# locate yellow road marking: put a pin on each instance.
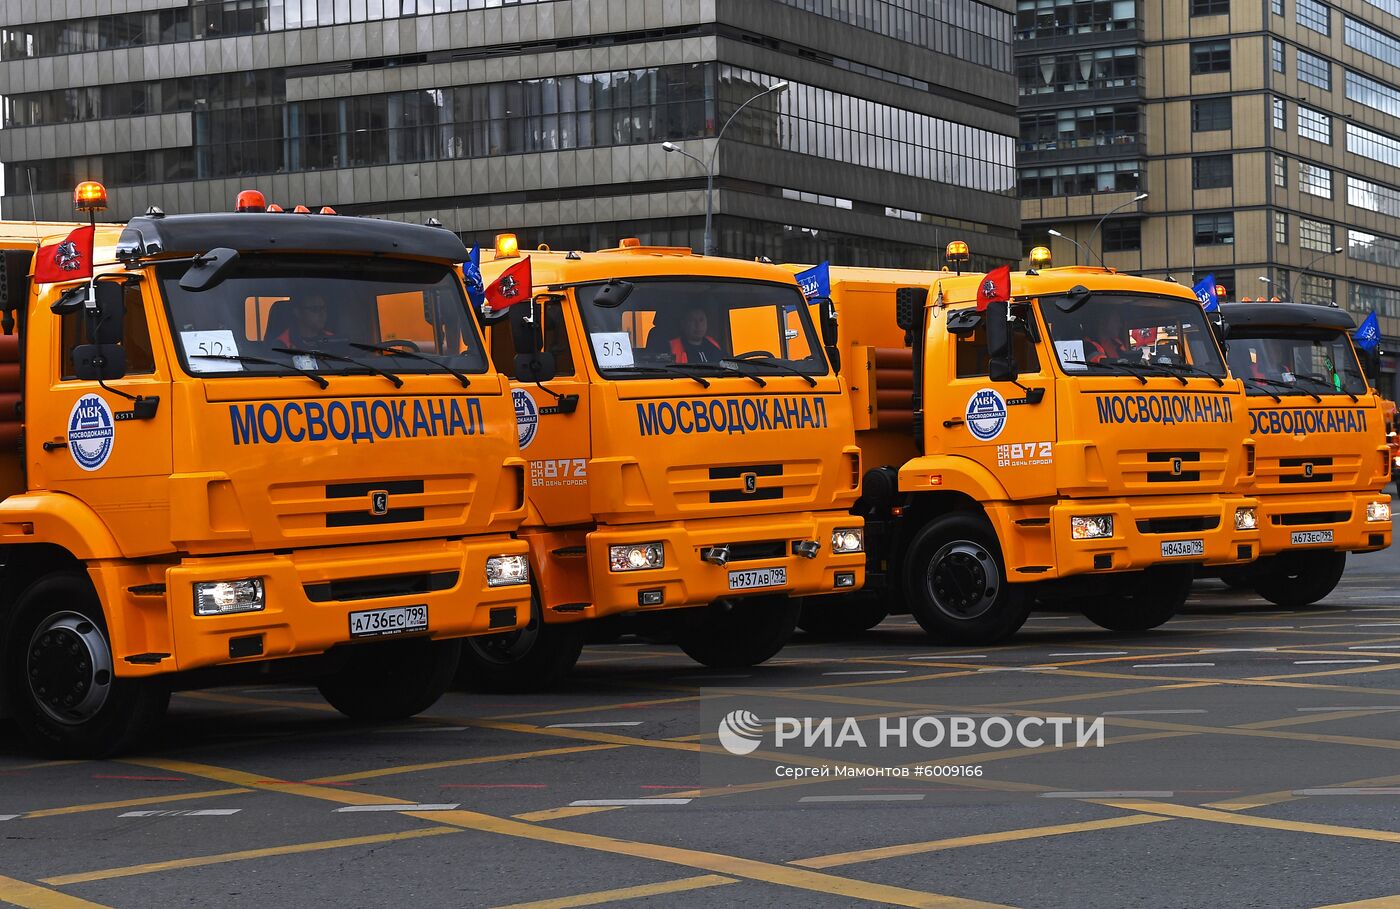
(981, 839)
(555, 814)
(1190, 812)
(1380, 902)
(461, 762)
(261, 781)
(202, 860)
(627, 893)
(32, 896)
(131, 803)
(713, 862)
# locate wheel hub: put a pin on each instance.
(510, 647)
(69, 668)
(963, 579)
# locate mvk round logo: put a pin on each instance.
(527, 417)
(986, 414)
(90, 432)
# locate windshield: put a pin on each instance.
(1127, 332)
(698, 325)
(1290, 361)
(344, 314)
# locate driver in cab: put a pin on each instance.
(694, 344)
(1112, 340)
(308, 325)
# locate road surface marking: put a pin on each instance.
(1099, 653)
(1355, 790)
(870, 672)
(907, 797)
(592, 725)
(1330, 662)
(621, 803)
(132, 803)
(627, 893)
(1167, 665)
(1122, 794)
(32, 896)
(404, 807)
(1145, 712)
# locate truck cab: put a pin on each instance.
(1080, 445)
(1323, 456)
(250, 443)
(691, 457)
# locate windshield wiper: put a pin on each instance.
(1161, 370)
(1322, 380)
(776, 363)
(1194, 370)
(1263, 385)
(298, 351)
(414, 355)
(243, 358)
(762, 382)
(680, 369)
(1114, 368)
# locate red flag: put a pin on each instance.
(67, 260)
(512, 287)
(995, 287)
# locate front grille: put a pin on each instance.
(395, 585)
(740, 493)
(366, 518)
(753, 552)
(1310, 517)
(1177, 462)
(1178, 525)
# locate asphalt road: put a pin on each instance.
(1250, 757)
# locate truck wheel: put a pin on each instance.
(956, 586)
(1160, 593)
(529, 659)
(393, 680)
(750, 632)
(1299, 579)
(67, 700)
(840, 616)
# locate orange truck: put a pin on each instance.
(1323, 457)
(1080, 446)
(251, 444)
(692, 462)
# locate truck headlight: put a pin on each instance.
(1091, 527)
(851, 539)
(1246, 518)
(636, 557)
(229, 597)
(507, 570)
(1378, 512)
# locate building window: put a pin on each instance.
(1364, 298)
(1314, 70)
(1123, 235)
(1367, 143)
(1215, 230)
(1280, 117)
(1210, 57)
(1210, 7)
(1085, 127)
(1314, 15)
(1373, 94)
(1080, 179)
(1373, 197)
(1314, 125)
(1276, 54)
(1280, 170)
(1212, 171)
(1111, 67)
(1314, 235)
(1276, 7)
(1317, 290)
(1371, 41)
(1281, 228)
(1050, 18)
(1373, 248)
(1314, 180)
(1211, 114)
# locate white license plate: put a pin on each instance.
(1303, 537)
(757, 577)
(396, 620)
(1172, 549)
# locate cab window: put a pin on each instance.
(136, 336)
(556, 341)
(972, 354)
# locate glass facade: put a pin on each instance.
(1314, 70)
(1363, 298)
(630, 107)
(140, 99)
(1110, 67)
(1373, 94)
(1082, 127)
(1314, 15)
(1314, 235)
(971, 31)
(1317, 290)
(1369, 247)
(1080, 179)
(1374, 197)
(1314, 180)
(1371, 144)
(1315, 125)
(1052, 18)
(1372, 41)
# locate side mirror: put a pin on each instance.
(110, 313)
(99, 362)
(1001, 362)
(907, 303)
(831, 333)
(536, 366)
(209, 269)
(526, 327)
(613, 294)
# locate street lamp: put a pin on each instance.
(1133, 201)
(1274, 287)
(1315, 259)
(714, 154)
(1077, 248)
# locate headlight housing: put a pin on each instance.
(1378, 512)
(229, 597)
(1246, 518)
(1091, 527)
(507, 570)
(636, 557)
(850, 539)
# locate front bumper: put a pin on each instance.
(1142, 526)
(309, 597)
(1342, 513)
(687, 580)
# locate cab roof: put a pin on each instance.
(276, 232)
(549, 268)
(30, 234)
(1286, 315)
(963, 288)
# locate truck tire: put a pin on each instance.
(1159, 594)
(66, 699)
(531, 659)
(842, 615)
(393, 680)
(1239, 577)
(750, 632)
(1300, 578)
(956, 586)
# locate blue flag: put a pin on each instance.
(471, 272)
(1368, 333)
(1205, 292)
(815, 281)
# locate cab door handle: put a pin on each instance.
(949, 424)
